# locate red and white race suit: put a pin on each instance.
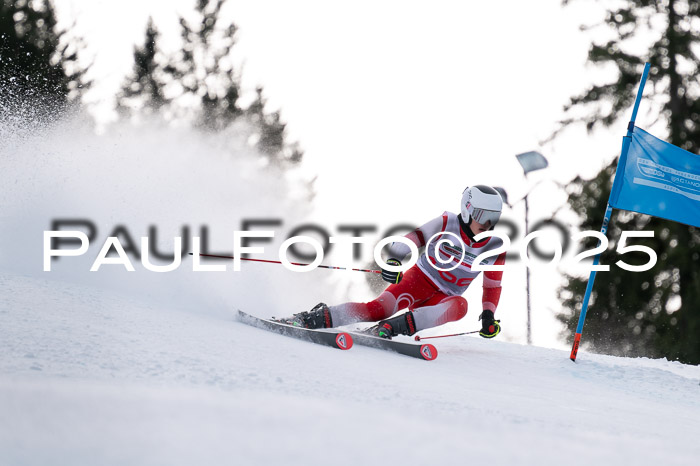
(433, 294)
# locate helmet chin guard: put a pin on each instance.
(481, 204)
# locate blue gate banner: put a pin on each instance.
(657, 178)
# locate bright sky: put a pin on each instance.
(399, 105)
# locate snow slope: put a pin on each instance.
(94, 377)
(117, 367)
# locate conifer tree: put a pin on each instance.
(271, 132)
(204, 69)
(39, 64)
(200, 85)
(144, 88)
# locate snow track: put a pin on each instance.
(88, 376)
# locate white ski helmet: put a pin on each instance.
(481, 203)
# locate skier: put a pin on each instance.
(433, 296)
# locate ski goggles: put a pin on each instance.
(483, 215)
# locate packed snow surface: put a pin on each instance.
(93, 377)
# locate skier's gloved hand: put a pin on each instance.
(392, 277)
(490, 327)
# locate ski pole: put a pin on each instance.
(293, 263)
(419, 338)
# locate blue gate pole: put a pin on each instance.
(608, 212)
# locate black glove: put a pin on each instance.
(490, 327)
(392, 277)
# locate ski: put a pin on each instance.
(425, 351)
(334, 338)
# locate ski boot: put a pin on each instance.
(403, 324)
(318, 317)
